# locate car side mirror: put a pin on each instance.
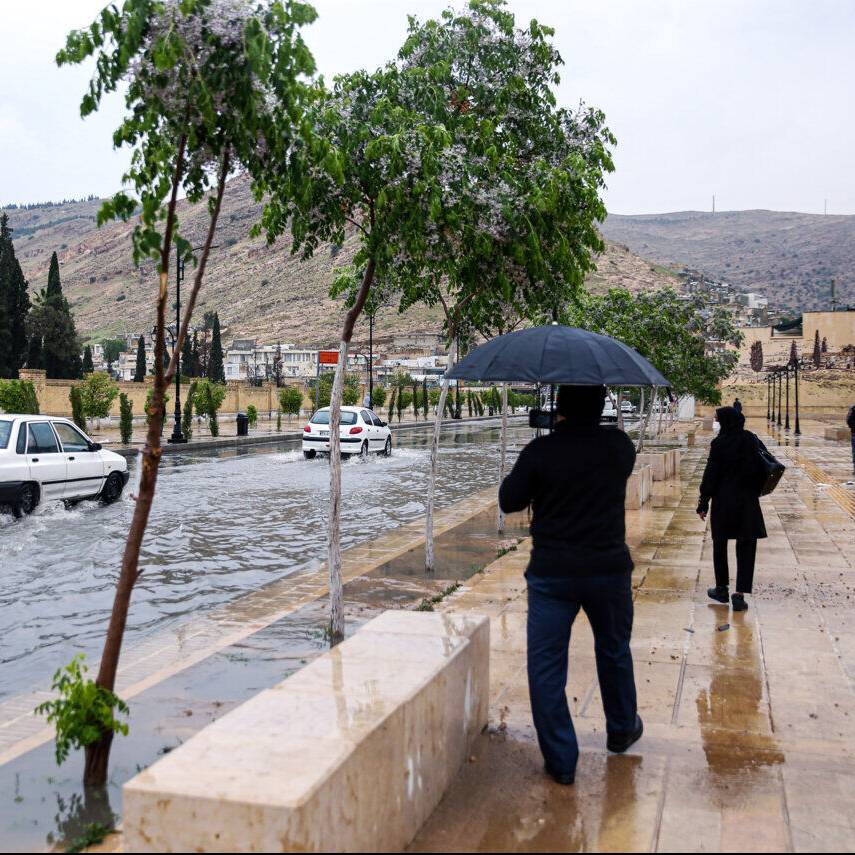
(94, 446)
(383, 424)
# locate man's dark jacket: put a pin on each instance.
(575, 481)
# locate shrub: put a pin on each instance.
(187, 413)
(126, 418)
(18, 396)
(290, 401)
(97, 392)
(378, 397)
(252, 415)
(208, 399)
(83, 712)
(77, 413)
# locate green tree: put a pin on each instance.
(139, 370)
(97, 392)
(126, 418)
(52, 321)
(187, 357)
(817, 351)
(14, 305)
(77, 414)
(672, 333)
(425, 398)
(88, 367)
(187, 412)
(252, 415)
(216, 371)
(209, 87)
(208, 399)
(35, 357)
(378, 397)
(113, 347)
(290, 400)
(18, 396)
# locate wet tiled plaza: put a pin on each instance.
(750, 717)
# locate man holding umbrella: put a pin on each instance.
(574, 479)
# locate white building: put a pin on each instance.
(248, 360)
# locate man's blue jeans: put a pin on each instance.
(553, 604)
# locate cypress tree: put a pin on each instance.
(53, 321)
(88, 367)
(14, 306)
(216, 372)
(139, 371)
(195, 363)
(35, 357)
(425, 398)
(187, 357)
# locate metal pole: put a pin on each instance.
(177, 435)
(778, 373)
(371, 360)
(798, 428)
(787, 423)
(768, 397)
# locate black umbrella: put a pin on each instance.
(557, 354)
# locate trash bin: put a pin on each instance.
(242, 424)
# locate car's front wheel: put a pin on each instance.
(112, 489)
(387, 451)
(28, 498)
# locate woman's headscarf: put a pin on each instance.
(731, 420)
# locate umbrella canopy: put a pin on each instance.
(557, 354)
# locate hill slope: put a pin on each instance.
(259, 291)
(789, 257)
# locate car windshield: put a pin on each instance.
(5, 432)
(322, 417)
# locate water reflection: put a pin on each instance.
(222, 523)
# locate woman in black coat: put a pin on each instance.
(731, 480)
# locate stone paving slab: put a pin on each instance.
(749, 738)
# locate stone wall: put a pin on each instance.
(54, 400)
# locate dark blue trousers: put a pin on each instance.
(553, 604)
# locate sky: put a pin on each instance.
(747, 100)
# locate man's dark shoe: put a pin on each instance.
(738, 602)
(720, 595)
(619, 742)
(565, 780)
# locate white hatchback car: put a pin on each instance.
(47, 458)
(360, 432)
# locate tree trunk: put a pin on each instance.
(97, 761)
(642, 425)
(620, 410)
(503, 452)
(336, 627)
(434, 460)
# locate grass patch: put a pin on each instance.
(427, 604)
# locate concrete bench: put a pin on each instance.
(639, 487)
(840, 434)
(664, 464)
(351, 753)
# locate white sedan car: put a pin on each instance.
(44, 458)
(361, 432)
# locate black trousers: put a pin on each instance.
(746, 552)
(553, 604)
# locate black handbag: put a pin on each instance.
(770, 469)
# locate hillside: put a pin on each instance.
(789, 257)
(259, 291)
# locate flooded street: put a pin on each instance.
(223, 523)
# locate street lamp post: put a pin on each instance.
(177, 436)
(768, 396)
(371, 360)
(798, 431)
(787, 373)
(778, 373)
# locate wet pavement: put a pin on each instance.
(224, 523)
(179, 682)
(749, 718)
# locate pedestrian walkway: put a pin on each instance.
(750, 718)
